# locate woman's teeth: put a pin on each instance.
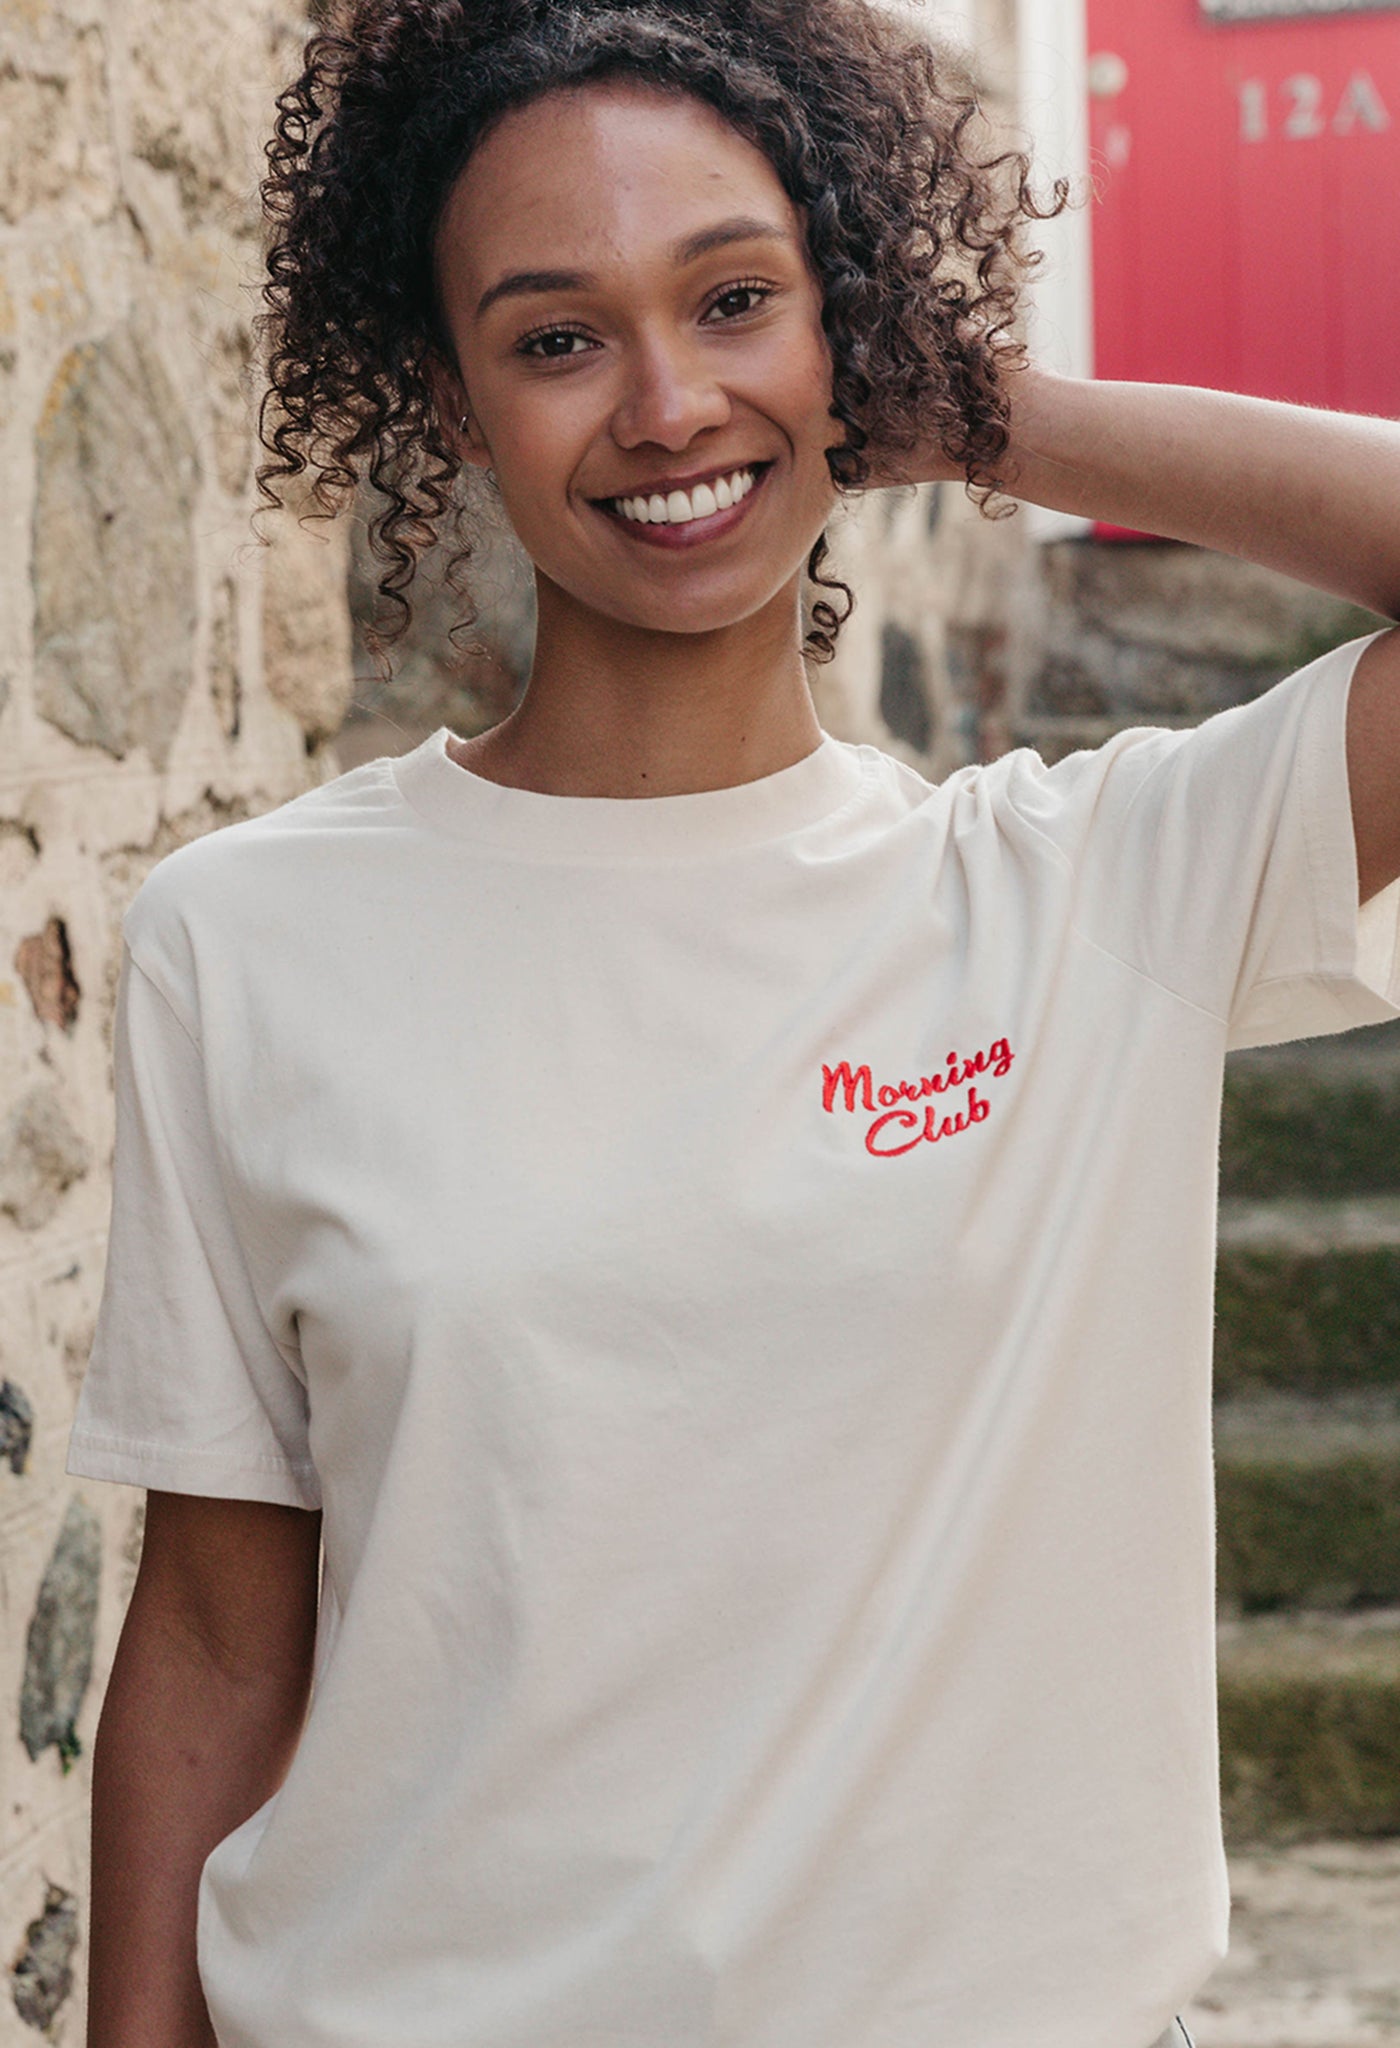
(680, 507)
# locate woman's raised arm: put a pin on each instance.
(1314, 494)
(1311, 493)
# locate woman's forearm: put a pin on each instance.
(183, 1753)
(1314, 494)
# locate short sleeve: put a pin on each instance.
(1220, 861)
(185, 1389)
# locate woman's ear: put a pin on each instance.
(459, 426)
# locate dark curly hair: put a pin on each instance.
(915, 240)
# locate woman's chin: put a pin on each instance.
(687, 613)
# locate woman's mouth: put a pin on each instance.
(680, 518)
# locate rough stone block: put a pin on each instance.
(45, 963)
(42, 1978)
(58, 146)
(40, 1156)
(198, 99)
(114, 557)
(904, 692)
(436, 680)
(59, 1645)
(1160, 632)
(306, 624)
(16, 1426)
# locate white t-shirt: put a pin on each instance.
(736, 1272)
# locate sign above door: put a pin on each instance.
(1289, 10)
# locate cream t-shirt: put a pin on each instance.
(735, 1271)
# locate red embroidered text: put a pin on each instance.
(900, 1128)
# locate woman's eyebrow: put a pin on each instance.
(742, 228)
(520, 283)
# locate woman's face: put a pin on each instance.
(638, 334)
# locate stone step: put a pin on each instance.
(1309, 1726)
(1314, 1956)
(1308, 1296)
(1317, 1118)
(1308, 1502)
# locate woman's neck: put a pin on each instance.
(617, 711)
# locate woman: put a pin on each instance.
(714, 1232)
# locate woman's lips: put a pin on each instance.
(694, 531)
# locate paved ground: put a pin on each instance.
(1314, 1956)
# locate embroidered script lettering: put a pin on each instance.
(898, 1128)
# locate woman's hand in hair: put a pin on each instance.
(932, 463)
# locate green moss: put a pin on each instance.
(1324, 1535)
(1285, 1132)
(1307, 1323)
(1305, 1758)
(1332, 627)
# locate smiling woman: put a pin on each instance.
(896, 239)
(682, 354)
(727, 1276)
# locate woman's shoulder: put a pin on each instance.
(256, 868)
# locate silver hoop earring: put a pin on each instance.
(462, 424)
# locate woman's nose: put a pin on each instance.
(669, 394)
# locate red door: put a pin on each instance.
(1246, 225)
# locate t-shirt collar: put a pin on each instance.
(527, 821)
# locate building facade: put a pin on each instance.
(163, 675)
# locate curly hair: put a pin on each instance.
(915, 241)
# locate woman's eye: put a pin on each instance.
(727, 302)
(550, 342)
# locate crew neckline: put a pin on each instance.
(527, 821)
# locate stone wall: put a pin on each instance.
(1105, 635)
(920, 667)
(160, 676)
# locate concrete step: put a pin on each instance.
(1308, 1502)
(1317, 1118)
(1314, 1958)
(1310, 1726)
(1308, 1296)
